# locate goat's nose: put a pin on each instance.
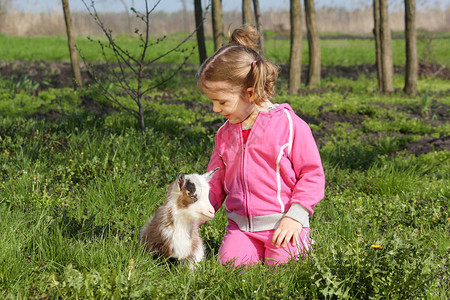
(211, 210)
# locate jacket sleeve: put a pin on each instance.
(217, 192)
(310, 186)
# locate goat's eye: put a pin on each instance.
(193, 197)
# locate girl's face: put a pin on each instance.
(230, 101)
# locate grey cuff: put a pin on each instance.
(299, 214)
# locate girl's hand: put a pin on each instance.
(288, 229)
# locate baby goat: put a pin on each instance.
(174, 229)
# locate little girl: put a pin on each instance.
(270, 175)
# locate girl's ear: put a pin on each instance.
(250, 95)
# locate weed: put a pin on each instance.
(22, 83)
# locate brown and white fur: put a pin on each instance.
(174, 229)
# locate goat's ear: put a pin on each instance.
(180, 180)
(210, 174)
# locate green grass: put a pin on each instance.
(334, 51)
(75, 191)
(54, 48)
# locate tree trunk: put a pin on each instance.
(247, 12)
(377, 36)
(72, 47)
(386, 49)
(313, 44)
(200, 31)
(385, 46)
(217, 22)
(141, 117)
(259, 25)
(295, 60)
(411, 68)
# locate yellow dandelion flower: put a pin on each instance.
(377, 247)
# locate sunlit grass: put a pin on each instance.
(345, 52)
(75, 191)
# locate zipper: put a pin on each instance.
(244, 153)
(244, 186)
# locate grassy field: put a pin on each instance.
(345, 52)
(77, 184)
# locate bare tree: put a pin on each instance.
(376, 33)
(77, 80)
(411, 68)
(313, 44)
(127, 74)
(217, 22)
(385, 65)
(386, 48)
(125, 6)
(295, 59)
(259, 26)
(247, 12)
(185, 15)
(200, 30)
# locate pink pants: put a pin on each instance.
(248, 248)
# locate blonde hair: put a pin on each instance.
(239, 64)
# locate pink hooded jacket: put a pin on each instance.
(277, 173)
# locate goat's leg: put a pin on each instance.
(199, 253)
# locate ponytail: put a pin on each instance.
(247, 36)
(262, 78)
(239, 63)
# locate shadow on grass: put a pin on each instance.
(355, 157)
(91, 226)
